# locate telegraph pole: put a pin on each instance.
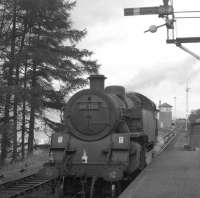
(187, 105)
(175, 110)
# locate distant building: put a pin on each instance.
(165, 115)
(194, 129)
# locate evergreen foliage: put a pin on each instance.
(38, 47)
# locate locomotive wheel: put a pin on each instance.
(70, 187)
(57, 189)
(59, 193)
(112, 190)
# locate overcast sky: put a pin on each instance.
(142, 62)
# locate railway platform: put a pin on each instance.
(175, 173)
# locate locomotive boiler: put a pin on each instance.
(107, 133)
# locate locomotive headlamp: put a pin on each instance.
(84, 157)
(113, 174)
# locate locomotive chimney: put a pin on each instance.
(97, 82)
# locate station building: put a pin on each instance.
(165, 115)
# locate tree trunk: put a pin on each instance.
(15, 108)
(23, 127)
(32, 112)
(24, 114)
(15, 118)
(33, 101)
(5, 140)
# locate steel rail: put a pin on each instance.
(22, 186)
(168, 139)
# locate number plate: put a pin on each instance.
(121, 140)
(60, 139)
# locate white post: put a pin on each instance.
(187, 105)
(175, 110)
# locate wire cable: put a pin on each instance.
(197, 17)
(189, 11)
(176, 29)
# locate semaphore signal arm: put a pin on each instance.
(167, 12)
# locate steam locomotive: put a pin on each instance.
(107, 134)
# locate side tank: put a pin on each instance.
(140, 112)
(149, 117)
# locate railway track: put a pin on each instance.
(22, 186)
(168, 138)
(171, 137)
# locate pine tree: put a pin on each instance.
(53, 55)
(12, 42)
(9, 66)
(38, 49)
